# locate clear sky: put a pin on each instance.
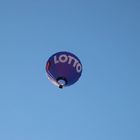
(104, 104)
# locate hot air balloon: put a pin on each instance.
(63, 69)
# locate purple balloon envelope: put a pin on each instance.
(63, 69)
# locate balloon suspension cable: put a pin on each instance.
(52, 79)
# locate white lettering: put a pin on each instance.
(74, 59)
(69, 59)
(75, 62)
(63, 58)
(56, 60)
(78, 68)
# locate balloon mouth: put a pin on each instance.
(62, 81)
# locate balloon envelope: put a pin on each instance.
(63, 69)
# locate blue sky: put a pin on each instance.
(104, 104)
